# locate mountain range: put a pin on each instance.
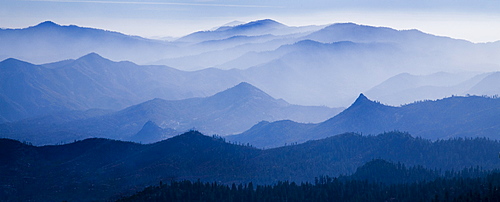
(114, 126)
(32, 92)
(317, 65)
(50, 42)
(452, 117)
(28, 90)
(345, 53)
(101, 169)
(228, 112)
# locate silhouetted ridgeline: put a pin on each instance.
(96, 169)
(456, 116)
(426, 185)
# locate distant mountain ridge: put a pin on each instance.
(228, 112)
(91, 81)
(54, 42)
(253, 28)
(451, 117)
(323, 58)
(406, 88)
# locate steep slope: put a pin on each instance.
(30, 90)
(49, 42)
(97, 169)
(228, 112)
(363, 116)
(471, 116)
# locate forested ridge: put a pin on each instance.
(98, 169)
(413, 184)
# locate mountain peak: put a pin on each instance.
(243, 89)
(362, 98)
(91, 57)
(245, 85)
(150, 125)
(242, 92)
(13, 64)
(12, 60)
(192, 136)
(268, 22)
(265, 23)
(47, 24)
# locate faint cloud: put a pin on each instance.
(159, 3)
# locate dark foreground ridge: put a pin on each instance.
(97, 169)
(427, 186)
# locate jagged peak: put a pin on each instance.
(362, 98)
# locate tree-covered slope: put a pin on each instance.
(96, 169)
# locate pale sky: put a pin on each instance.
(477, 21)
